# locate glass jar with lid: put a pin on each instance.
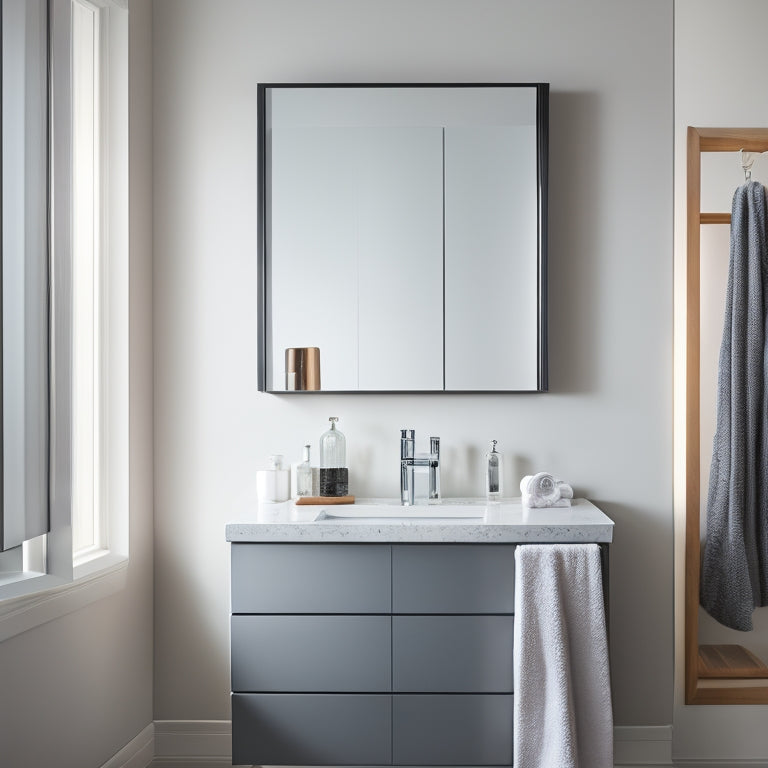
(334, 475)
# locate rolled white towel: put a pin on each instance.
(545, 490)
(533, 503)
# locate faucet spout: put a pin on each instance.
(409, 460)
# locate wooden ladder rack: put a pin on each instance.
(746, 690)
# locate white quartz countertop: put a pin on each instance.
(505, 522)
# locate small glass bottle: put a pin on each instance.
(494, 475)
(334, 476)
(304, 474)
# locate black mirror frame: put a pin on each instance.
(542, 164)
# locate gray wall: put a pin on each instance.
(75, 690)
(606, 425)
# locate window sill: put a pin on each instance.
(29, 600)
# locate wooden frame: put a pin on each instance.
(729, 691)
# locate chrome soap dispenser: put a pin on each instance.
(494, 474)
(334, 475)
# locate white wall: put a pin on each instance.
(75, 690)
(606, 425)
(718, 83)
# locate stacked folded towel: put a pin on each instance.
(545, 490)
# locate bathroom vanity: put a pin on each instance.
(365, 640)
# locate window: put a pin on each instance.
(25, 254)
(88, 535)
(100, 283)
(86, 378)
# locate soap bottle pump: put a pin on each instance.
(494, 474)
(334, 475)
(274, 483)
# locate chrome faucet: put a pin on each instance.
(409, 460)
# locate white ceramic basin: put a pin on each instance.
(449, 508)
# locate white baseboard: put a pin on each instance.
(208, 744)
(642, 745)
(193, 743)
(137, 753)
(191, 762)
(740, 763)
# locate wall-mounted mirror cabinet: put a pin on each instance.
(403, 237)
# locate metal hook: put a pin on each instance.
(747, 164)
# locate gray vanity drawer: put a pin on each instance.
(311, 653)
(452, 654)
(311, 578)
(311, 729)
(453, 578)
(452, 730)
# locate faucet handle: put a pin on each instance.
(407, 443)
(434, 445)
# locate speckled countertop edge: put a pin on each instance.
(508, 522)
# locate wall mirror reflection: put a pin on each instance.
(402, 236)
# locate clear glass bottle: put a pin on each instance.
(304, 474)
(333, 446)
(494, 475)
(334, 477)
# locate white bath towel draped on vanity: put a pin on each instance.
(562, 703)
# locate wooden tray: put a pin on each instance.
(325, 500)
(724, 661)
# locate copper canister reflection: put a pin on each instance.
(302, 368)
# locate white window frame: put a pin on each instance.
(31, 597)
(90, 242)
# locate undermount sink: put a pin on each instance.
(448, 508)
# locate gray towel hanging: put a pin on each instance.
(734, 574)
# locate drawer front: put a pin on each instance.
(453, 578)
(311, 653)
(452, 654)
(311, 578)
(311, 729)
(452, 730)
